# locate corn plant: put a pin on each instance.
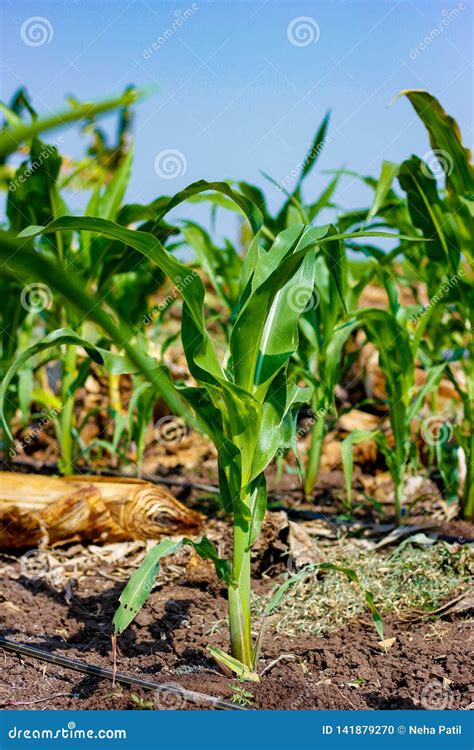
(246, 401)
(319, 353)
(36, 195)
(442, 259)
(325, 327)
(37, 199)
(32, 197)
(446, 220)
(397, 355)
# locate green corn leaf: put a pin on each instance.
(221, 266)
(427, 211)
(242, 416)
(394, 347)
(315, 150)
(11, 118)
(141, 582)
(20, 261)
(248, 208)
(269, 261)
(201, 356)
(335, 256)
(332, 359)
(11, 138)
(256, 196)
(324, 200)
(396, 360)
(384, 185)
(293, 211)
(204, 403)
(251, 260)
(445, 137)
(269, 435)
(432, 381)
(271, 273)
(112, 197)
(248, 343)
(144, 243)
(279, 338)
(233, 664)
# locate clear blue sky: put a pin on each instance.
(234, 95)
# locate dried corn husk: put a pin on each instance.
(37, 510)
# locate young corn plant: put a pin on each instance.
(246, 401)
(441, 260)
(247, 404)
(397, 355)
(31, 197)
(108, 267)
(325, 327)
(446, 220)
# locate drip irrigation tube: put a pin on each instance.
(79, 666)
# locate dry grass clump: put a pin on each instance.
(411, 577)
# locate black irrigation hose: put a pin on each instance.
(79, 666)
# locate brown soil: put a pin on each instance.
(426, 667)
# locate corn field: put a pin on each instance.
(280, 420)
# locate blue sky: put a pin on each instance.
(234, 93)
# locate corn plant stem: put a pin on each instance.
(315, 451)
(314, 457)
(6, 440)
(67, 412)
(467, 504)
(114, 393)
(398, 497)
(66, 442)
(239, 597)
